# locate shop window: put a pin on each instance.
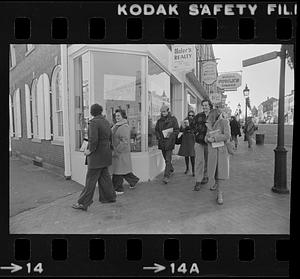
(57, 110)
(12, 56)
(158, 94)
(191, 102)
(17, 114)
(120, 83)
(82, 98)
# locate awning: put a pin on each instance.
(193, 80)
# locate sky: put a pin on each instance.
(262, 79)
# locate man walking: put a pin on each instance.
(99, 157)
(167, 130)
(249, 130)
(235, 130)
(201, 152)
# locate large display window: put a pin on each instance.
(119, 82)
(158, 94)
(82, 98)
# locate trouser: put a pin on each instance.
(192, 162)
(235, 139)
(250, 140)
(168, 160)
(201, 155)
(219, 185)
(117, 180)
(106, 191)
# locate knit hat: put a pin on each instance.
(164, 108)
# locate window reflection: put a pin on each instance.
(119, 80)
(158, 94)
(81, 99)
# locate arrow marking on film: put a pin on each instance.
(156, 267)
(13, 268)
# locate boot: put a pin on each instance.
(220, 198)
(197, 186)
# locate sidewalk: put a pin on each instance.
(154, 208)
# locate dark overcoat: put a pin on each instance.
(99, 143)
(235, 127)
(188, 141)
(164, 123)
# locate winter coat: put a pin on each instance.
(235, 128)
(99, 143)
(188, 141)
(218, 158)
(199, 127)
(164, 123)
(249, 128)
(121, 160)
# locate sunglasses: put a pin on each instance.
(191, 114)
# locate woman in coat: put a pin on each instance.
(218, 132)
(187, 143)
(121, 159)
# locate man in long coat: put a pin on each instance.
(166, 141)
(99, 157)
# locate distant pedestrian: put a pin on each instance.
(249, 130)
(218, 134)
(199, 128)
(166, 130)
(188, 142)
(235, 129)
(99, 157)
(121, 159)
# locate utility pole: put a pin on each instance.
(280, 185)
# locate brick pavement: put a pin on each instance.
(249, 205)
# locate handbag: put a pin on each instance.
(178, 140)
(229, 148)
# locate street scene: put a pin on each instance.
(151, 139)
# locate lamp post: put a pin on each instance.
(280, 185)
(246, 96)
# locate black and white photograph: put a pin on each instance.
(150, 138)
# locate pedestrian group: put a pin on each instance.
(204, 139)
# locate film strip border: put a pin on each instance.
(149, 255)
(79, 22)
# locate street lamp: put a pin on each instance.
(246, 96)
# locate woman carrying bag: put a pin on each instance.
(187, 142)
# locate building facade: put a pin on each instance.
(36, 129)
(265, 110)
(288, 109)
(63, 81)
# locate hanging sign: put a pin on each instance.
(215, 98)
(229, 81)
(183, 57)
(209, 72)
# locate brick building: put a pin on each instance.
(34, 98)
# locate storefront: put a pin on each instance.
(136, 78)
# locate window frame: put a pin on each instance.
(29, 50)
(13, 60)
(55, 74)
(34, 111)
(17, 114)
